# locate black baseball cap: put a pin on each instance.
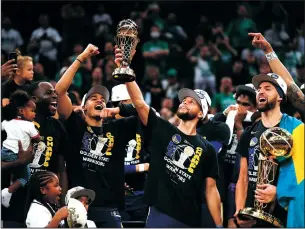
(98, 89)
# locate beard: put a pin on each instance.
(186, 116)
(267, 106)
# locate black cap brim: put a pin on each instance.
(242, 88)
(98, 89)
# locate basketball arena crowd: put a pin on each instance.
(209, 133)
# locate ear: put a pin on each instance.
(200, 115)
(84, 109)
(34, 98)
(43, 190)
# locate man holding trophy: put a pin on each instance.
(272, 153)
(181, 160)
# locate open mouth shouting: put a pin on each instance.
(53, 106)
(99, 107)
(262, 99)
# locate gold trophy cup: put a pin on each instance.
(275, 144)
(126, 40)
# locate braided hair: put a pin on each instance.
(38, 180)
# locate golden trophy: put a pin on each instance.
(275, 144)
(126, 40)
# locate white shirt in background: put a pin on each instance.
(18, 130)
(10, 40)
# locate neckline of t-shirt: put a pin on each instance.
(190, 136)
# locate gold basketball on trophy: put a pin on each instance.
(275, 144)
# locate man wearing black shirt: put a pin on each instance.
(217, 133)
(271, 91)
(48, 152)
(96, 160)
(181, 161)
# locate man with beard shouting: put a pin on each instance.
(181, 161)
(289, 180)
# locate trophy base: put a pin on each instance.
(260, 216)
(124, 75)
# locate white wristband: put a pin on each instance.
(271, 56)
(141, 167)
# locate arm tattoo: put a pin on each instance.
(296, 97)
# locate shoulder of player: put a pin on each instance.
(291, 119)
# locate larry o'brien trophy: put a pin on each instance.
(275, 143)
(126, 40)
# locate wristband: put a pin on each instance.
(79, 60)
(219, 226)
(141, 167)
(271, 56)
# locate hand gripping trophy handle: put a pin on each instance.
(126, 40)
(275, 144)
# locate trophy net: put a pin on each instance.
(127, 44)
(266, 175)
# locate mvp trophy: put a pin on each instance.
(275, 143)
(126, 40)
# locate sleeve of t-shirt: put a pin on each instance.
(38, 216)
(212, 168)
(243, 143)
(220, 117)
(127, 110)
(32, 131)
(3, 124)
(153, 120)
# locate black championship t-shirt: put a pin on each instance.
(97, 157)
(9, 87)
(54, 143)
(136, 154)
(249, 147)
(217, 133)
(179, 164)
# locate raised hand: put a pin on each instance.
(119, 55)
(260, 42)
(91, 50)
(8, 68)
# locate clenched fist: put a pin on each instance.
(91, 50)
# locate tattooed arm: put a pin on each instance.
(294, 93)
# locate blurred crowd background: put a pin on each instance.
(182, 44)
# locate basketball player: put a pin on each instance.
(97, 159)
(175, 185)
(271, 92)
(294, 93)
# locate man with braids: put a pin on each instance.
(42, 202)
(48, 152)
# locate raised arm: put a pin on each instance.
(134, 93)
(64, 106)
(294, 93)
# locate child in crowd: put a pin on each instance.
(43, 201)
(18, 125)
(85, 196)
(21, 78)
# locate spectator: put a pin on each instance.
(166, 113)
(172, 30)
(195, 50)
(204, 71)
(264, 68)
(299, 39)
(11, 39)
(20, 80)
(171, 86)
(239, 28)
(8, 69)
(225, 98)
(153, 87)
(101, 22)
(155, 50)
(251, 64)
(204, 27)
(151, 15)
(291, 59)
(95, 79)
(109, 82)
(39, 72)
(277, 34)
(47, 39)
(239, 73)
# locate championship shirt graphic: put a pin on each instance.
(181, 159)
(96, 149)
(230, 155)
(43, 153)
(253, 153)
(133, 150)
